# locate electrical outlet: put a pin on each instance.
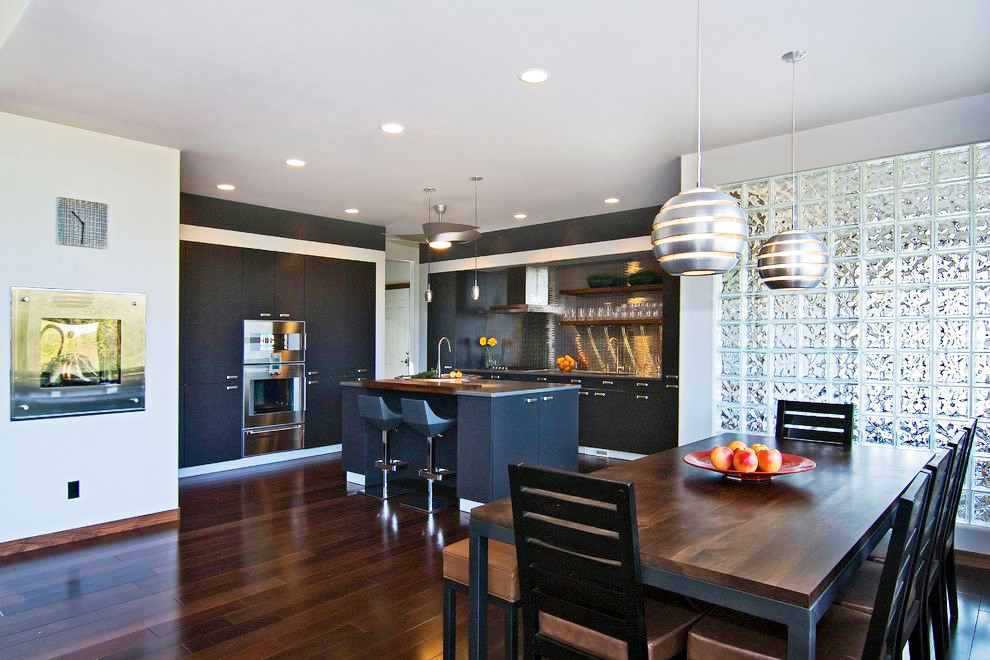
(73, 490)
(601, 452)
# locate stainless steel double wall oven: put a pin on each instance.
(274, 386)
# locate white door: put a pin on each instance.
(396, 332)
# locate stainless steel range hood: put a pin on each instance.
(527, 291)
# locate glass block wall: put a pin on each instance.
(901, 327)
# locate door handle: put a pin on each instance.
(232, 387)
(232, 377)
(265, 315)
(642, 396)
(312, 373)
(548, 398)
(533, 400)
(583, 393)
(312, 382)
(599, 394)
(283, 315)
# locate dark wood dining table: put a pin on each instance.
(779, 550)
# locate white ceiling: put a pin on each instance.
(241, 85)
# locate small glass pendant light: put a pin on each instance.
(701, 231)
(476, 290)
(793, 260)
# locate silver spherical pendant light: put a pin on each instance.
(701, 231)
(793, 260)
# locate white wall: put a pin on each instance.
(125, 462)
(406, 251)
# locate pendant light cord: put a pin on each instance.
(794, 190)
(699, 91)
(429, 219)
(476, 229)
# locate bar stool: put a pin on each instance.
(373, 410)
(418, 416)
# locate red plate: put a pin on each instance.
(790, 464)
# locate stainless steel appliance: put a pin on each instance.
(274, 386)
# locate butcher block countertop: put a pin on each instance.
(460, 386)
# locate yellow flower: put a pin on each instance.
(492, 341)
(483, 341)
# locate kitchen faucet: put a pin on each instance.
(449, 350)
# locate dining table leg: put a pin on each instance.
(478, 595)
(801, 640)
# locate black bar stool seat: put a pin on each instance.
(373, 411)
(418, 416)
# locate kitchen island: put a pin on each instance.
(497, 422)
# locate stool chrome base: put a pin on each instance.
(388, 489)
(430, 502)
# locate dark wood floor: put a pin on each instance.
(274, 562)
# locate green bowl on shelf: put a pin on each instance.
(644, 277)
(600, 281)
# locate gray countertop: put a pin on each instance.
(557, 372)
(484, 388)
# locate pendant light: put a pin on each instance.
(476, 290)
(793, 260)
(429, 292)
(701, 231)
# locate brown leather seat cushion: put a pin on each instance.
(668, 619)
(879, 553)
(861, 592)
(728, 635)
(503, 574)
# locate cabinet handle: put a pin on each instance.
(673, 376)
(232, 377)
(671, 386)
(289, 428)
(575, 380)
(133, 399)
(583, 393)
(24, 406)
(283, 315)
(533, 400)
(232, 387)
(265, 315)
(608, 382)
(312, 382)
(599, 394)
(642, 384)
(548, 398)
(541, 378)
(362, 371)
(642, 396)
(312, 373)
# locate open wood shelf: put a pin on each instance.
(614, 322)
(611, 289)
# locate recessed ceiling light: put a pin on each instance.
(392, 127)
(295, 162)
(351, 211)
(227, 187)
(534, 76)
(520, 216)
(612, 200)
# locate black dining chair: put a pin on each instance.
(577, 546)
(843, 633)
(812, 421)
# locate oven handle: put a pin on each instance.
(286, 428)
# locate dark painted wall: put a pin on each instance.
(237, 216)
(573, 231)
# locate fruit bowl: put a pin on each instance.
(790, 464)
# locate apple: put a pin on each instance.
(758, 448)
(737, 444)
(769, 460)
(744, 460)
(721, 458)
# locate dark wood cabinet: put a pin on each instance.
(322, 410)
(211, 423)
(258, 281)
(359, 339)
(211, 331)
(290, 282)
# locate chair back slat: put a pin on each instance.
(812, 421)
(577, 547)
(964, 450)
(884, 635)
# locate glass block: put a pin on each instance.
(981, 300)
(878, 430)
(880, 239)
(846, 273)
(914, 433)
(952, 335)
(981, 368)
(915, 236)
(757, 336)
(952, 233)
(814, 391)
(981, 334)
(730, 364)
(982, 159)
(845, 335)
(846, 211)
(757, 193)
(753, 249)
(785, 365)
(813, 216)
(915, 367)
(846, 179)
(915, 269)
(785, 307)
(734, 191)
(952, 367)
(981, 508)
(914, 335)
(962, 515)
(756, 420)
(814, 335)
(730, 391)
(952, 198)
(731, 309)
(915, 169)
(756, 364)
(981, 190)
(946, 430)
(981, 230)
(952, 300)
(731, 282)
(845, 304)
(813, 366)
(880, 398)
(754, 285)
(784, 390)
(952, 267)
(814, 306)
(756, 392)
(757, 307)
(981, 265)
(759, 223)
(781, 190)
(952, 401)
(981, 401)
(813, 185)
(981, 473)
(845, 366)
(729, 419)
(879, 303)
(730, 336)
(880, 271)
(952, 164)
(879, 174)
(916, 202)
(786, 335)
(879, 207)
(878, 367)
(981, 442)
(878, 335)
(915, 302)
(781, 219)
(915, 400)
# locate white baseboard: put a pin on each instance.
(973, 538)
(251, 461)
(467, 505)
(609, 453)
(354, 478)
